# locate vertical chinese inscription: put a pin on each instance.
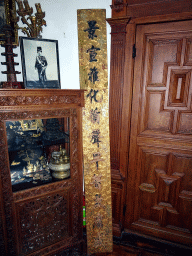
(94, 78)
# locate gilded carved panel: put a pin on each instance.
(96, 152)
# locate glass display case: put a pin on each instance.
(38, 151)
(41, 180)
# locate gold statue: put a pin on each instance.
(29, 167)
(24, 171)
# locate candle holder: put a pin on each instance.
(34, 27)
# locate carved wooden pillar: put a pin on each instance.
(118, 40)
(9, 55)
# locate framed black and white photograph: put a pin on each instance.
(40, 63)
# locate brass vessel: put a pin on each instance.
(60, 164)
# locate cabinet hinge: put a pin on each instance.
(134, 52)
(124, 209)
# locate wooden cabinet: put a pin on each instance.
(40, 214)
(150, 96)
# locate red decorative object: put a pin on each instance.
(12, 85)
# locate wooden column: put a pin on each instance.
(116, 96)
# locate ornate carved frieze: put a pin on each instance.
(35, 100)
(32, 114)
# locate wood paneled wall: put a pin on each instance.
(126, 16)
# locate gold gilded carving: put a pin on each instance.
(94, 78)
(96, 181)
(6, 19)
(34, 28)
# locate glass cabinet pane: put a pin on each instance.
(39, 151)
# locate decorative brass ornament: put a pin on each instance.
(30, 125)
(34, 28)
(60, 164)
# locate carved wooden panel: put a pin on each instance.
(48, 218)
(166, 190)
(43, 221)
(168, 83)
(159, 191)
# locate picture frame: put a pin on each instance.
(40, 63)
(5, 18)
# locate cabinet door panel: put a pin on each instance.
(43, 221)
(159, 187)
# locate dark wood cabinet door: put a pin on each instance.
(159, 185)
